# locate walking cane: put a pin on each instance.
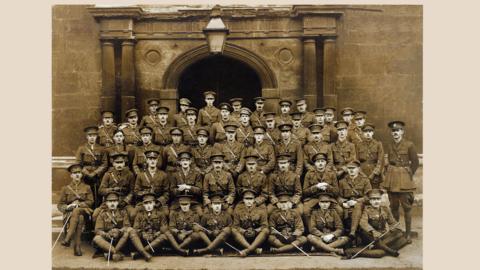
(226, 243)
(63, 228)
(297, 247)
(148, 242)
(109, 251)
(375, 240)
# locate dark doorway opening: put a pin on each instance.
(226, 76)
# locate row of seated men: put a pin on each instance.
(189, 220)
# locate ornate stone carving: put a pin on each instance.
(153, 57)
(284, 56)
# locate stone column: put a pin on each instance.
(127, 77)
(329, 63)
(310, 72)
(107, 99)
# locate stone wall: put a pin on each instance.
(76, 76)
(379, 66)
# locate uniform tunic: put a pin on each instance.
(294, 149)
(283, 119)
(272, 136)
(213, 222)
(132, 135)
(180, 220)
(180, 120)
(307, 119)
(257, 118)
(150, 222)
(245, 218)
(170, 155)
(208, 115)
(402, 165)
(150, 121)
(324, 222)
(108, 220)
(92, 158)
(313, 177)
(105, 134)
(286, 222)
(217, 132)
(355, 135)
(190, 134)
(376, 219)
(161, 134)
(266, 156)
(192, 178)
(353, 188)
(140, 160)
(158, 184)
(285, 182)
(312, 148)
(221, 182)
(256, 181)
(245, 135)
(301, 134)
(80, 192)
(371, 156)
(343, 153)
(233, 153)
(201, 156)
(122, 182)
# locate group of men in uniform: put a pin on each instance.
(229, 177)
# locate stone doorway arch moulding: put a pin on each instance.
(170, 81)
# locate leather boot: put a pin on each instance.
(320, 245)
(122, 241)
(174, 244)
(103, 244)
(77, 250)
(157, 242)
(368, 253)
(258, 240)
(137, 243)
(240, 239)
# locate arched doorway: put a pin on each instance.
(224, 75)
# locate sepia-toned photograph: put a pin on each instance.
(237, 136)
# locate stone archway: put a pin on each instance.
(267, 78)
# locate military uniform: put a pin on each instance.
(180, 118)
(250, 225)
(132, 135)
(140, 160)
(219, 182)
(208, 115)
(232, 152)
(112, 226)
(258, 118)
(170, 154)
(245, 135)
(312, 148)
(105, 135)
(402, 165)
(343, 151)
(293, 148)
(325, 222)
(202, 154)
(215, 227)
(266, 156)
(192, 178)
(282, 119)
(117, 148)
(161, 131)
(93, 159)
(353, 189)
(80, 194)
(122, 182)
(310, 189)
(150, 226)
(156, 183)
(182, 229)
(217, 134)
(371, 156)
(289, 224)
(151, 119)
(257, 182)
(300, 133)
(374, 221)
(285, 182)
